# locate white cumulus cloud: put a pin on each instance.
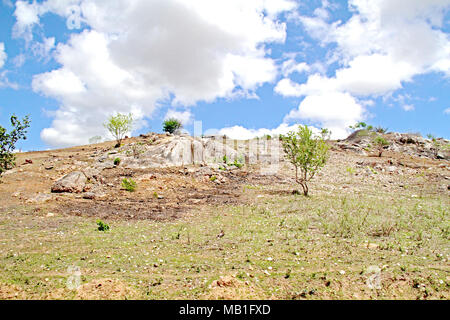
(137, 54)
(383, 45)
(335, 111)
(185, 117)
(43, 49)
(408, 107)
(3, 55)
(290, 66)
(242, 133)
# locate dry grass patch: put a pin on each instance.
(105, 289)
(230, 288)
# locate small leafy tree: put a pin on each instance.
(325, 133)
(380, 142)
(172, 125)
(358, 126)
(308, 154)
(8, 141)
(95, 140)
(380, 129)
(119, 125)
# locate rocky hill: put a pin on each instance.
(207, 209)
(181, 171)
(361, 141)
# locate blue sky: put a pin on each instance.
(243, 68)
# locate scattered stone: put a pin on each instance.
(73, 182)
(391, 169)
(92, 173)
(410, 144)
(373, 274)
(372, 246)
(40, 198)
(441, 156)
(89, 196)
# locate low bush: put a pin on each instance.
(102, 226)
(172, 125)
(129, 185)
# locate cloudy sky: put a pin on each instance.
(242, 67)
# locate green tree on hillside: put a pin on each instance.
(172, 125)
(8, 141)
(308, 154)
(380, 143)
(119, 125)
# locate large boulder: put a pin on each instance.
(73, 182)
(180, 151)
(213, 151)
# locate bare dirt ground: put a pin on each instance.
(163, 193)
(189, 232)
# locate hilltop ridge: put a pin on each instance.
(178, 172)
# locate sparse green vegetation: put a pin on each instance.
(102, 226)
(95, 140)
(372, 170)
(118, 126)
(238, 164)
(172, 125)
(366, 129)
(380, 143)
(325, 133)
(280, 245)
(117, 161)
(307, 153)
(381, 130)
(438, 145)
(359, 126)
(8, 141)
(137, 150)
(129, 185)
